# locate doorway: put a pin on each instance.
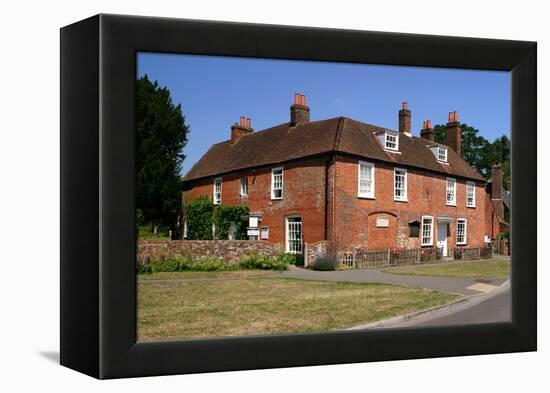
(442, 234)
(294, 235)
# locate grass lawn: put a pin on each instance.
(488, 269)
(239, 303)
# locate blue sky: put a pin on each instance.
(215, 91)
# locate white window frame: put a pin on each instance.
(360, 193)
(273, 189)
(444, 150)
(465, 239)
(264, 233)
(402, 198)
(451, 202)
(431, 242)
(471, 186)
(215, 199)
(293, 249)
(396, 136)
(244, 186)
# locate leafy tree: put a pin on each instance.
(199, 214)
(501, 153)
(479, 152)
(161, 137)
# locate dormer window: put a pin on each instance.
(388, 139)
(391, 141)
(440, 152)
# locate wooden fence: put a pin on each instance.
(362, 258)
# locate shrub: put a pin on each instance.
(199, 215)
(225, 215)
(324, 263)
(286, 258)
(264, 262)
(210, 265)
(185, 263)
(145, 232)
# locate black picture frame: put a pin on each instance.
(98, 237)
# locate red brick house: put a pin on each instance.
(348, 182)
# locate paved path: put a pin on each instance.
(497, 308)
(457, 285)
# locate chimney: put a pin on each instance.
(404, 118)
(454, 133)
(496, 189)
(496, 181)
(299, 111)
(240, 129)
(427, 132)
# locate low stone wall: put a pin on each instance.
(228, 250)
(312, 251)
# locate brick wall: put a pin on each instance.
(228, 250)
(303, 195)
(356, 217)
(351, 221)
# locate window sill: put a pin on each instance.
(471, 207)
(461, 244)
(365, 197)
(451, 204)
(276, 199)
(392, 151)
(400, 200)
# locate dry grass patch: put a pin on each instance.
(488, 269)
(246, 304)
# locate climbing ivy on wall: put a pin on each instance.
(225, 215)
(201, 213)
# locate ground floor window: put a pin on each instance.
(264, 233)
(427, 231)
(294, 235)
(461, 231)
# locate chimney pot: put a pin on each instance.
(299, 111)
(427, 132)
(404, 104)
(239, 129)
(453, 133)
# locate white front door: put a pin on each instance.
(294, 235)
(442, 238)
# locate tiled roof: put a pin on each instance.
(340, 135)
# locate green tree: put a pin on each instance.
(501, 153)
(161, 137)
(479, 152)
(199, 214)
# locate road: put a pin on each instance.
(497, 308)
